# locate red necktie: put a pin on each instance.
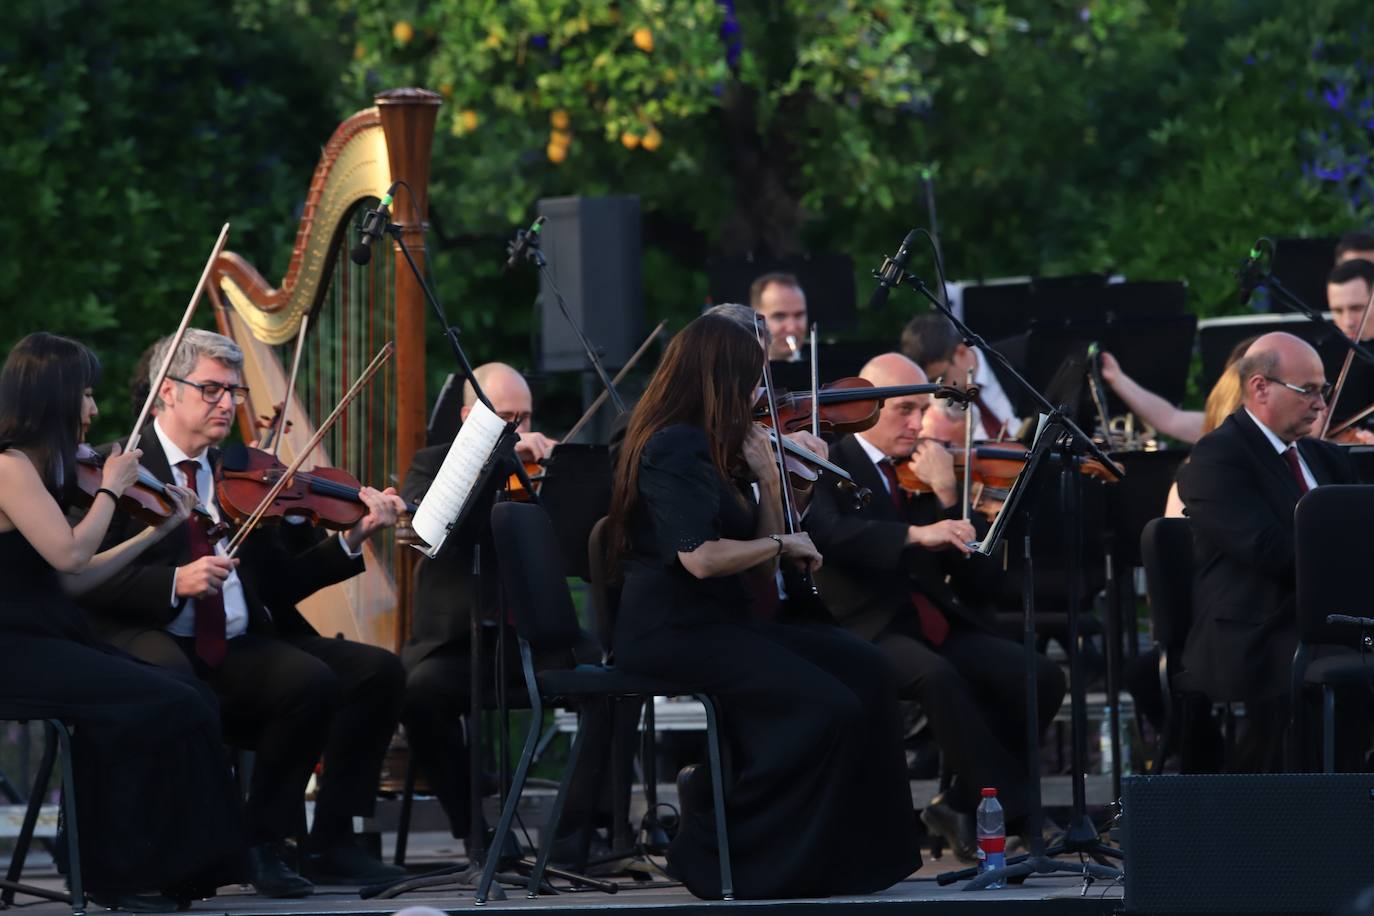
(209, 626)
(991, 425)
(933, 622)
(1290, 455)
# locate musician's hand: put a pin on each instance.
(1111, 369)
(1362, 436)
(203, 577)
(183, 501)
(934, 464)
(799, 549)
(120, 470)
(949, 532)
(383, 508)
(758, 454)
(534, 446)
(810, 443)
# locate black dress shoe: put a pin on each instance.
(272, 877)
(347, 864)
(955, 828)
(694, 790)
(135, 903)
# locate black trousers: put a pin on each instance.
(437, 704)
(973, 691)
(295, 700)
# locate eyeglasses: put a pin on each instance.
(211, 392)
(1322, 391)
(518, 417)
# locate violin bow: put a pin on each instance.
(624, 370)
(247, 527)
(279, 428)
(789, 498)
(815, 387)
(968, 453)
(1345, 370)
(176, 340)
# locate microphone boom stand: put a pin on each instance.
(1081, 836)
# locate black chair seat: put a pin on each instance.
(598, 680)
(1342, 670)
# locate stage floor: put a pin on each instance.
(1057, 895)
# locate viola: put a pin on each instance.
(847, 405)
(996, 466)
(146, 500)
(323, 496)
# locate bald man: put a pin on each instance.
(437, 656)
(1240, 487)
(897, 572)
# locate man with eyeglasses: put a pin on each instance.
(285, 691)
(1239, 488)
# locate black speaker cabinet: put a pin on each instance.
(1282, 843)
(593, 245)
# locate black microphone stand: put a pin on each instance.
(527, 244)
(1081, 836)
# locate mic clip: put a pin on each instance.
(890, 273)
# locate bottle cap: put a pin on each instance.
(989, 792)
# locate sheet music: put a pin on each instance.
(457, 476)
(994, 535)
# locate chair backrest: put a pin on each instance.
(605, 593)
(531, 571)
(1329, 532)
(1166, 550)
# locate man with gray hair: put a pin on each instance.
(285, 691)
(1239, 488)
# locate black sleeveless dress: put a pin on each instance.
(157, 809)
(817, 799)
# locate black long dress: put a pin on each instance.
(817, 799)
(156, 806)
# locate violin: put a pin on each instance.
(323, 496)
(995, 466)
(515, 487)
(146, 500)
(847, 405)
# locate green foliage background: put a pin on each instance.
(1154, 138)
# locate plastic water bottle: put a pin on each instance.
(992, 835)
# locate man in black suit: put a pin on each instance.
(897, 572)
(285, 691)
(438, 655)
(1239, 488)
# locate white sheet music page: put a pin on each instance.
(456, 478)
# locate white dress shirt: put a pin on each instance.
(1280, 446)
(235, 608)
(876, 456)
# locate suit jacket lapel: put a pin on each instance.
(1258, 443)
(852, 457)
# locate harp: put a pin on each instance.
(352, 311)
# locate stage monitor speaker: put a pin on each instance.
(593, 245)
(1281, 843)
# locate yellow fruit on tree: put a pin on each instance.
(556, 152)
(561, 137)
(403, 32)
(644, 39)
(629, 140)
(559, 119)
(470, 119)
(652, 140)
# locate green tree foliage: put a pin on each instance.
(133, 131)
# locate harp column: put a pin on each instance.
(408, 117)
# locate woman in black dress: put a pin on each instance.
(817, 800)
(156, 806)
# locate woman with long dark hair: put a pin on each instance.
(816, 795)
(156, 807)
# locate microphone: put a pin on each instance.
(1252, 273)
(525, 239)
(374, 224)
(890, 274)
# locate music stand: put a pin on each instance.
(576, 492)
